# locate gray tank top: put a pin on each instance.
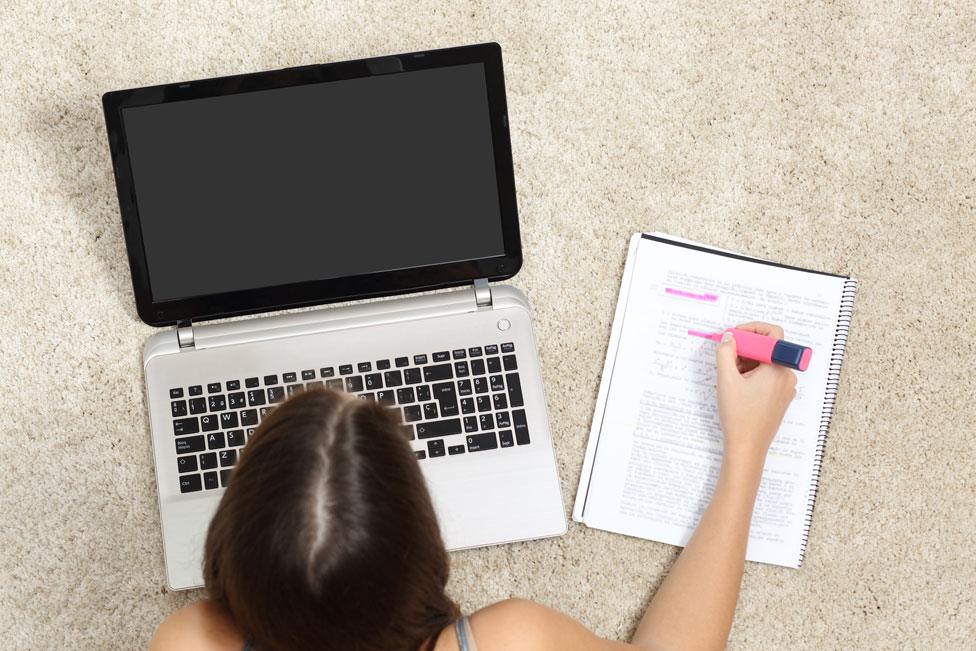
(462, 628)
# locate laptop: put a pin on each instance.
(384, 177)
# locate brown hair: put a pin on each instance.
(326, 537)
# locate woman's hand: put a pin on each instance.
(752, 399)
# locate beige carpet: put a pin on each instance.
(834, 135)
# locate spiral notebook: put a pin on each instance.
(655, 443)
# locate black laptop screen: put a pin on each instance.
(325, 180)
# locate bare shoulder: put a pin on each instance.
(519, 624)
(201, 626)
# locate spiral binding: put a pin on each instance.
(844, 316)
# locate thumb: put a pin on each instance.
(725, 357)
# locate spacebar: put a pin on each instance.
(439, 428)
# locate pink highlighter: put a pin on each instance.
(764, 349)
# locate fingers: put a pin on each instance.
(726, 359)
(763, 328)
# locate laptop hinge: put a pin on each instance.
(482, 292)
(184, 334)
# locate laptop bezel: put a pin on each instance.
(316, 292)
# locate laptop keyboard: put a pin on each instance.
(451, 402)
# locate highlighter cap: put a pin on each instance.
(791, 355)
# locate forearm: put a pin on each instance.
(694, 607)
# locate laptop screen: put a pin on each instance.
(316, 181)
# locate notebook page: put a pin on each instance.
(660, 444)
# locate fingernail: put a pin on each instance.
(726, 336)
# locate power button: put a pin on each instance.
(504, 324)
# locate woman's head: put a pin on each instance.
(326, 537)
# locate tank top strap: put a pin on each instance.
(465, 638)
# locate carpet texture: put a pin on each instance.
(834, 135)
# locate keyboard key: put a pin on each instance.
(264, 411)
(295, 388)
(308, 375)
(421, 454)
(455, 449)
(276, 394)
(227, 458)
(514, 390)
(228, 419)
(442, 356)
(423, 393)
(217, 403)
(210, 480)
(208, 460)
(327, 371)
(521, 427)
(496, 383)
(508, 348)
(251, 382)
(233, 385)
(198, 405)
(256, 397)
(374, 381)
(484, 403)
(345, 369)
(438, 373)
(467, 405)
(402, 361)
(270, 379)
(486, 421)
(494, 365)
(480, 385)
(393, 378)
(354, 384)
(213, 387)
(446, 397)
(464, 387)
(459, 353)
(190, 483)
(196, 390)
(470, 424)
(386, 397)
(176, 393)
(367, 396)
(335, 385)
(224, 478)
(189, 444)
(314, 385)
(480, 442)
(364, 367)
(430, 411)
(474, 352)
(411, 413)
(505, 438)
(461, 369)
(209, 423)
(502, 419)
(382, 364)
(435, 448)
(477, 367)
(289, 377)
(412, 376)
(439, 428)
(249, 417)
(215, 441)
(419, 360)
(500, 401)
(178, 408)
(509, 362)
(250, 432)
(491, 350)
(405, 396)
(186, 464)
(236, 400)
(235, 438)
